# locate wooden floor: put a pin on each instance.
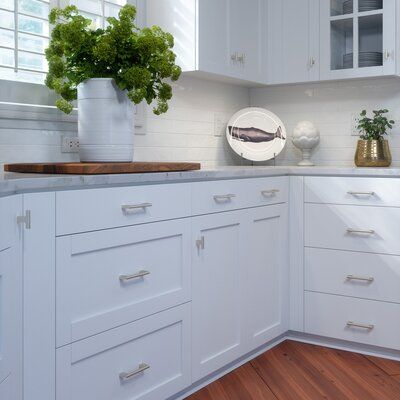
(297, 371)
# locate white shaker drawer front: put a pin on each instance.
(225, 195)
(362, 321)
(357, 191)
(145, 360)
(368, 229)
(113, 277)
(364, 275)
(96, 209)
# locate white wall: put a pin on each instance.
(330, 106)
(185, 133)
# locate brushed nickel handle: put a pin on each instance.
(126, 208)
(224, 197)
(361, 193)
(386, 54)
(25, 219)
(140, 274)
(360, 231)
(126, 376)
(312, 61)
(200, 243)
(352, 324)
(369, 279)
(271, 192)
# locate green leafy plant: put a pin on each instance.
(374, 128)
(139, 60)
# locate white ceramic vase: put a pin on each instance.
(105, 122)
(305, 137)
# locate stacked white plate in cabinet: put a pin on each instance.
(365, 59)
(363, 6)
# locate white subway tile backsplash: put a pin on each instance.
(330, 107)
(186, 132)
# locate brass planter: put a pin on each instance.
(373, 153)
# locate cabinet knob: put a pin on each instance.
(312, 62)
(386, 54)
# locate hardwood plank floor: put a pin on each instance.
(298, 371)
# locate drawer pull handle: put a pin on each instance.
(224, 197)
(126, 376)
(126, 208)
(352, 324)
(360, 231)
(369, 279)
(269, 193)
(140, 274)
(361, 193)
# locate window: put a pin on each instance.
(99, 10)
(24, 35)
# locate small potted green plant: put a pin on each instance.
(107, 70)
(372, 148)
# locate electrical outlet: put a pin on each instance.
(69, 144)
(219, 124)
(354, 124)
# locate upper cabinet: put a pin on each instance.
(358, 38)
(225, 38)
(293, 41)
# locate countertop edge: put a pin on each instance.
(16, 183)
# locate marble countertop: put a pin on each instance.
(12, 183)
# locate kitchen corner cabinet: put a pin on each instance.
(239, 278)
(10, 299)
(293, 41)
(225, 38)
(358, 39)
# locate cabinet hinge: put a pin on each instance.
(200, 243)
(25, 219)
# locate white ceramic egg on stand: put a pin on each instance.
(305, 138)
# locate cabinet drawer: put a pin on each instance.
(212, 197)
(113, 277)
(357, 191)
(362, 321)
(342, 227)
(107, 366)
(364, 275)
(95, 209)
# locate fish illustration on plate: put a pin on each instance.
(255, 135)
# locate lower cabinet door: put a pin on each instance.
(266, 275)
(216, 291)
(147, 360)
(10, 301)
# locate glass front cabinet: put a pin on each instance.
(358, 38)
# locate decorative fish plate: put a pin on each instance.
(256, 134)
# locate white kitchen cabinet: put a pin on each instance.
(293, 41)
(145, 360)
(225, 38)
(266, 275)
(240, 284)
(356, 40)
(217, 291)
(10, 299)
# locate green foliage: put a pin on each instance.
(374, 128)
(139, 60)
